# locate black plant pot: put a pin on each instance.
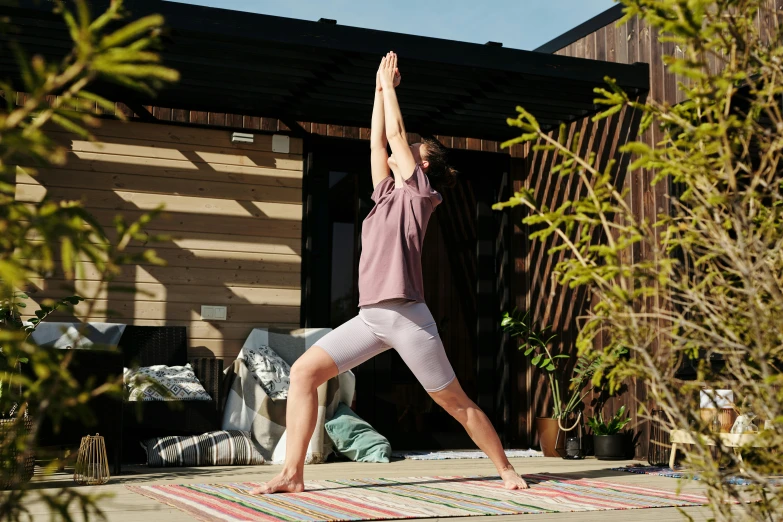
(611, 447)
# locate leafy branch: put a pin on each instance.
(47, 237)
(701, 283)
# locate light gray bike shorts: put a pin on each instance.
(406, 326)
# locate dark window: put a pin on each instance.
(343, 306)
(342, 215)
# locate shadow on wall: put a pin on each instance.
(233, 215)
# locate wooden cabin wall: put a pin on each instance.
(233, 213)
(548, 302)
(274, 125)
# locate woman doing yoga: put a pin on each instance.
(392, 312)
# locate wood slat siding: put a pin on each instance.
(536, 290)
(233, 214)
(634, 41)
(273, 125)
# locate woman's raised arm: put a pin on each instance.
(378, 155)
(395, 128)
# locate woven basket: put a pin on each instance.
(20, 470)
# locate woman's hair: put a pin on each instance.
(439, 172)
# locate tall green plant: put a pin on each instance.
(38, 239)
(535, 341)
(709, 288)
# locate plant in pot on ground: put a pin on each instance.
(609, 440)
(535, 341)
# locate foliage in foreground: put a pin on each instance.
(52, 237)
(709, 290)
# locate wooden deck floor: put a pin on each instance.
(126, 506)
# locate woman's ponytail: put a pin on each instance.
(440, 173)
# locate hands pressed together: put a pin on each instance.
(388, 75)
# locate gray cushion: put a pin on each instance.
(291, 344)
(78, 335)
(288, 344)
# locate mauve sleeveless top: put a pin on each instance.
(392, 239)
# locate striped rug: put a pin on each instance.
(418, 497)
(683, 474)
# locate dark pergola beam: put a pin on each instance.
(295, 70)
(296, 129)
(140, 111)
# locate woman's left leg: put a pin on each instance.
(415, 337)
(454, 400)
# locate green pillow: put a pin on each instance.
(355, 438)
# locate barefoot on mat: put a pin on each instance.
(280, 484)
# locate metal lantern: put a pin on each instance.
(659, 448)
(92, 465)
(573, 447)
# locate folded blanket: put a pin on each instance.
(249, 408)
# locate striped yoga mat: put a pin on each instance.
(418, 497)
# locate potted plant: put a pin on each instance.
(609, 441)
(536, 341)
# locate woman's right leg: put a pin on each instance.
(340, 350)
(311, 370)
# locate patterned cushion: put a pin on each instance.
(179, 381)
(272, 373)
(216, 448)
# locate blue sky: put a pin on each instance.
(519, 24)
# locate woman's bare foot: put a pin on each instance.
(511, 480)
(283, 483)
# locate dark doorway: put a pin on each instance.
(463, 263)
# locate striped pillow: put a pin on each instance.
(216, 448)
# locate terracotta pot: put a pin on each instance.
(547, 429)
